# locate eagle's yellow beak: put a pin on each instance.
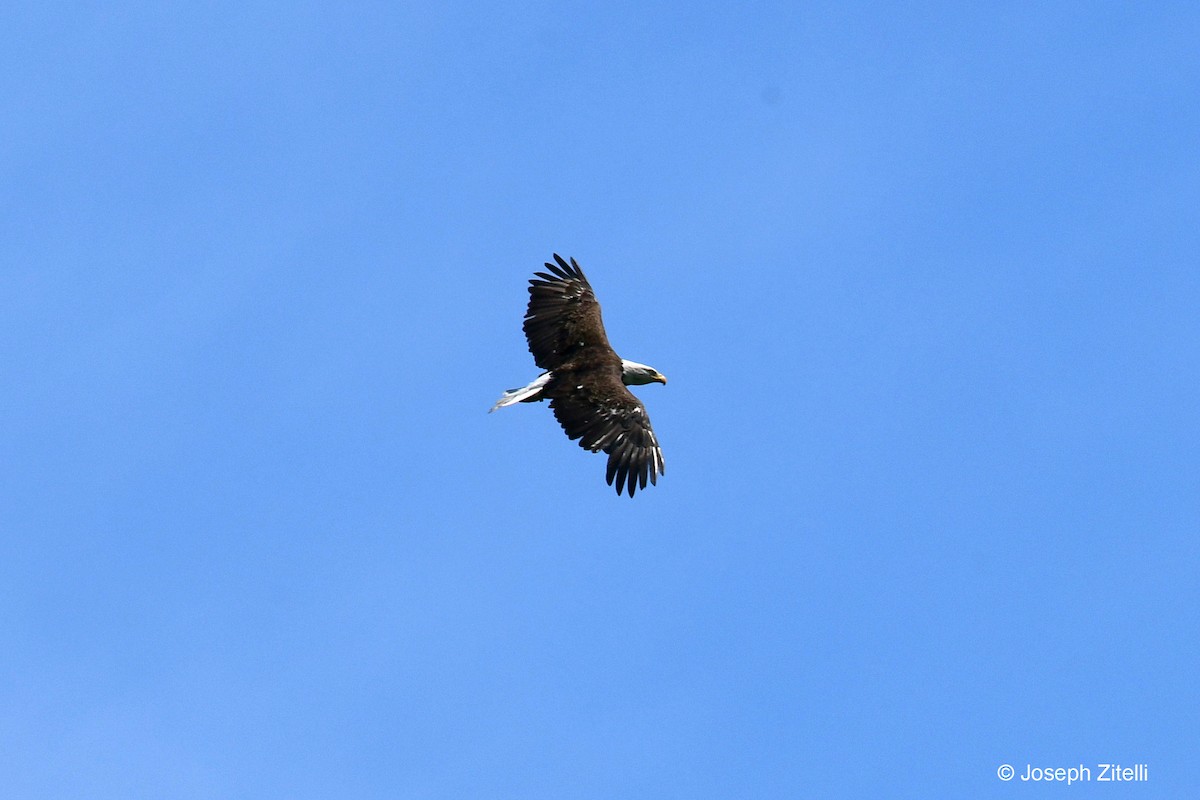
(659, 377)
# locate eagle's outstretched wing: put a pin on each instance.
(563, 316)
(605, 416)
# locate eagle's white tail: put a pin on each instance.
(513, 396)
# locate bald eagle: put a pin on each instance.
(585, 380)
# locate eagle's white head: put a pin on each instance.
(635, 374)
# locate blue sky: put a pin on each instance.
(924, 279)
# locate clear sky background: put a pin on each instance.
(924, 278)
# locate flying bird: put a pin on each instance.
(585, 379)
